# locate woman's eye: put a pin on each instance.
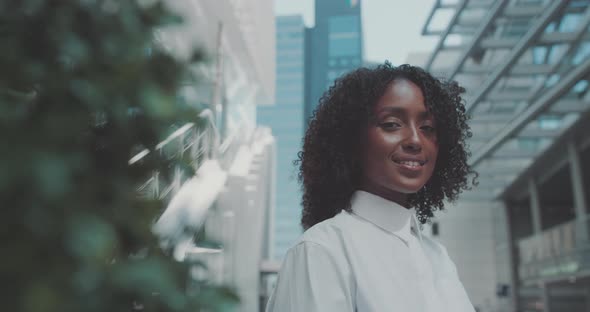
(390, 125)
(428, 128)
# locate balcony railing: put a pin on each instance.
(192, 143)
(560, 251)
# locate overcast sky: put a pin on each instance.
(391, 27)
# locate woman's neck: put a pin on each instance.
(396, 197)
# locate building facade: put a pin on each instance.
(285, 118)
(220, 216)
(526, 68)
(237, 36)
(334, 46)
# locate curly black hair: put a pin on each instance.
(329, 164)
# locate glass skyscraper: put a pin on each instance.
(287, 123)
(334, 46)
(308, 60)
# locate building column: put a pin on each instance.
(578, 190)
(512, 251)
(535, 206)
(545, 297)
(537, 229)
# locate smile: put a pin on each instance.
(410, 163)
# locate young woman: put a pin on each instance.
(384, 149)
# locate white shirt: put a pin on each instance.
(372, 260)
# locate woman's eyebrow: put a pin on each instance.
(402, 111)
(392, 110)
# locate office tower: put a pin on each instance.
(285, 118)
(334, 47)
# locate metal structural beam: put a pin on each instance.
(530, 69)
(553, 155)
(516, 70)
(578, 188)
(569, 49)
(507, 96)
(509, 43)
(539, 26)
(520, 12)
(443, 37)
(480, 4)
(492, 117)
(473, 4)
(535, 206)
(566, 106)
(478, 195)
(492, 184)
(532, 111)
(544, 39)
(429, 19)
(460, 31)
(479, 33)
(498, 170)
(525, 133)
(515, 153)
(539, 133)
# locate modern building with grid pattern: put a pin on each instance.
(526, 67)
(334, 45)
(285, 118)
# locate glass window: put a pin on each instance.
(553, 79)
(332, 74)
(290, 45)
(556, 53)
(529, 144)
(344, 36)
(287, 56)
(344, 23)
(528, 2)
(539, 55)
(549, 122)
(582, 54)
(289, 68)
(550, 28)
(344, 44)
(569, 22)
(516, 28)
(581, 86)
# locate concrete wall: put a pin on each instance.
(466, 229)
(245, 203)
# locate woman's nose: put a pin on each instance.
(412, 141)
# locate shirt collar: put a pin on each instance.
(387, 215)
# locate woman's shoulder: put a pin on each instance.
(433, 245)
(436, 250)
(328, 233)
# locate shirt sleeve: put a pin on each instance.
(311, 280)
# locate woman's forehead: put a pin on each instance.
(400, 95)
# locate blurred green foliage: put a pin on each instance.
(83, 88)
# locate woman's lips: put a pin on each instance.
(411, 165)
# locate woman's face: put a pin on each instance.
(401, 144)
